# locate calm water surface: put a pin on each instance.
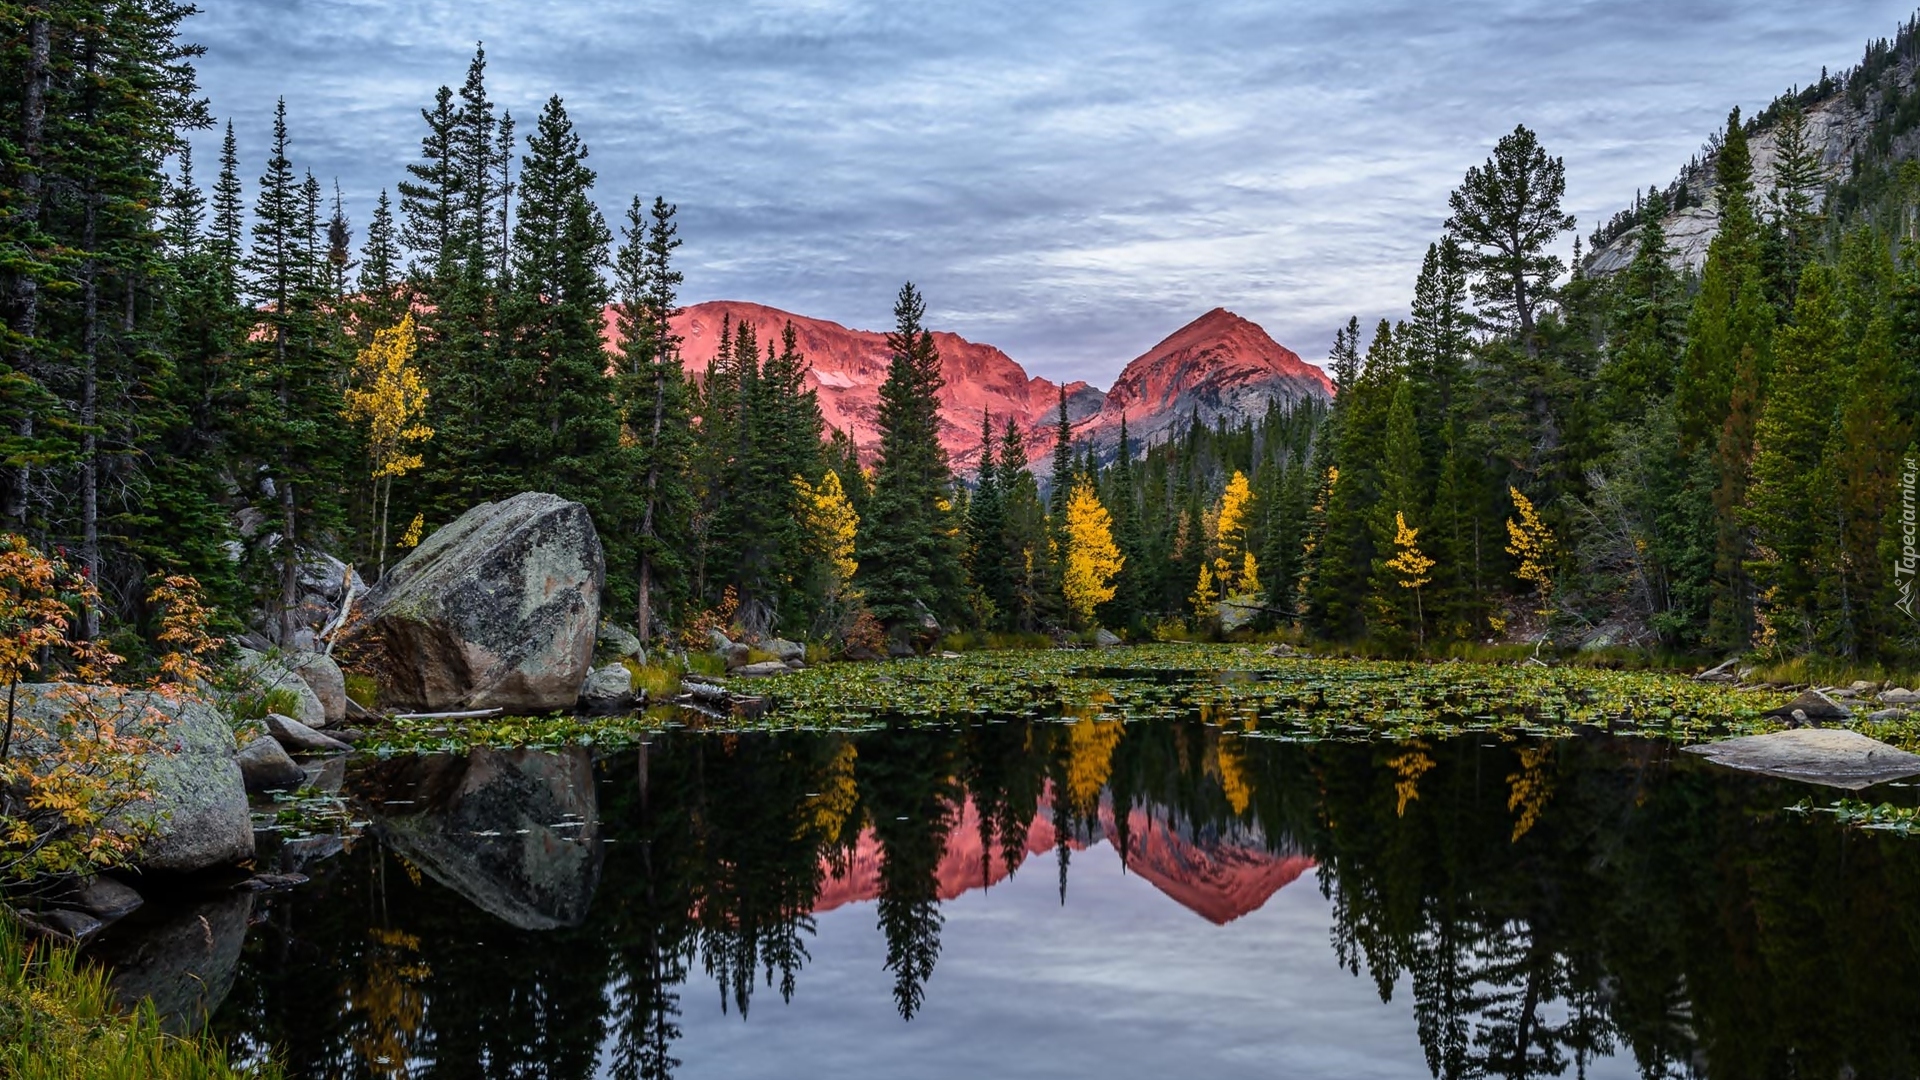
(1062, 899)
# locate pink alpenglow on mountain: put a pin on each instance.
(1218, 365)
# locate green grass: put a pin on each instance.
(1828, 671)
(58, 1021)
(659, 681)
(364, 690)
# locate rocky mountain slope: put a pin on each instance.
(1218, 365)
(1862, 119)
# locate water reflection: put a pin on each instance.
(1546, 906)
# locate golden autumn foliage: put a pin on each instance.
(55, 802)
(1410, 566)
(1233, 565)
(1090, 746)
(1529, 790)
(1205, 598)
(832, 526)
(389, 395)
(1093, 560)
(1233, 775)
(1530, 541)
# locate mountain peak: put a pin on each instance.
(1220, 364)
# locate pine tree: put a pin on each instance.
(559, 418)
(1508, 213)
(1031, 566)
(294, 388)
(654, 402)
(907, 564)
(1789, 503)
(987, 554)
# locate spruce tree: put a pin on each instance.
(907, 559)
(987, 554)
(293, 402)
(560, 424)
(1789, 502)
(654, 403)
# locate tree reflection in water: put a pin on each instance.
(1545, 904)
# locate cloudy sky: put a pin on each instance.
(1070, 180)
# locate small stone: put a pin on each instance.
(1817, 707)
(74, 925)
(1886, 714)
(720, 641)
(104, 898)
(298, 738)
(734, 653)
(265, 766)
(1105, 638)
(1900, 695)
(618, 641)
(761, 670)
(608, 691)
(267, 882)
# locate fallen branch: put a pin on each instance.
(346, 608)
(471, 714)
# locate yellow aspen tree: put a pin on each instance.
(1234, 512)
(1530, 541)
(1410, 566)
(389, 396)
(1093, 559)
(1205, 599)
(832, 525)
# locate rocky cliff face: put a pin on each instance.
(1218, 365)
(1843, 127)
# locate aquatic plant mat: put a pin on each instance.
(1231, 686)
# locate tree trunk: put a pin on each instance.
(25, 288)
(90, 383)
(289, 536)
(644, 613)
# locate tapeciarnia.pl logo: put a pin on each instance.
(1909, 561)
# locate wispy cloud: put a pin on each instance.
(1070, 181)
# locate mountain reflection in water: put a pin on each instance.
(1089, 898)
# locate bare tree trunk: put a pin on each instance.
(645, 612)
(90, 383)
(283, 487)
(26, 290)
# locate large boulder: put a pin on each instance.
(497, 610)
(324, 678)
(197, 804)
(516, 832)
(267, 673)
